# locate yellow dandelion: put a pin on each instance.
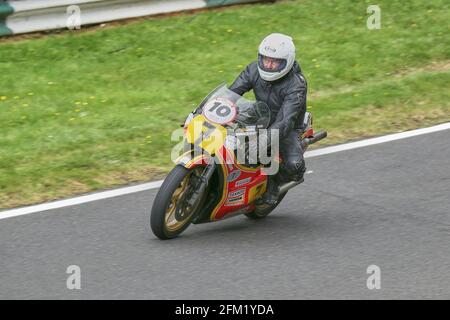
(25, 104)
(92, 97)
(77, 103)
(3, 98)
(230, 30)
(220, 71)
(30, 93)
(77, 110)
(317, 65)
(84, 103)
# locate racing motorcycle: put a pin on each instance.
(208, 182)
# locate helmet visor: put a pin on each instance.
(269, 64)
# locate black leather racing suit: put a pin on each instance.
(286, 98)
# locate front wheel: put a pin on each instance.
(171, 214)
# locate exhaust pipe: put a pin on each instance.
(315, 138)
(287, 186)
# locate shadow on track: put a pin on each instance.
(278, 227)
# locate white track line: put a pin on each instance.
(79, 200)
(157, 184)
(372, 141)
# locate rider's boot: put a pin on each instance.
(270, 197)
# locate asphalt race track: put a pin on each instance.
(386, 205)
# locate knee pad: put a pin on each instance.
(295, 169)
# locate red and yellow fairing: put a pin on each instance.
(241, 184)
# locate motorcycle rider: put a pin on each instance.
(276, 78)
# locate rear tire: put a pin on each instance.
(167, 203)
(258, 214)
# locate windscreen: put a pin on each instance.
(229, 109)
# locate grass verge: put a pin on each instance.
(82, 111)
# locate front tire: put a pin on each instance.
(170, 215)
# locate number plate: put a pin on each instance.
(220, 110)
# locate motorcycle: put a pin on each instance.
(208, 182)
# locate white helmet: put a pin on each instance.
(280, 49)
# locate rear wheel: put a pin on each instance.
(171, 214)
(260, 213)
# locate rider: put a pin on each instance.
(276, 78)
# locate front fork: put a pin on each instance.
(202, 183)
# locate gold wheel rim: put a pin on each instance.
(172, 224)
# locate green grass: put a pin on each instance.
(87, 110)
